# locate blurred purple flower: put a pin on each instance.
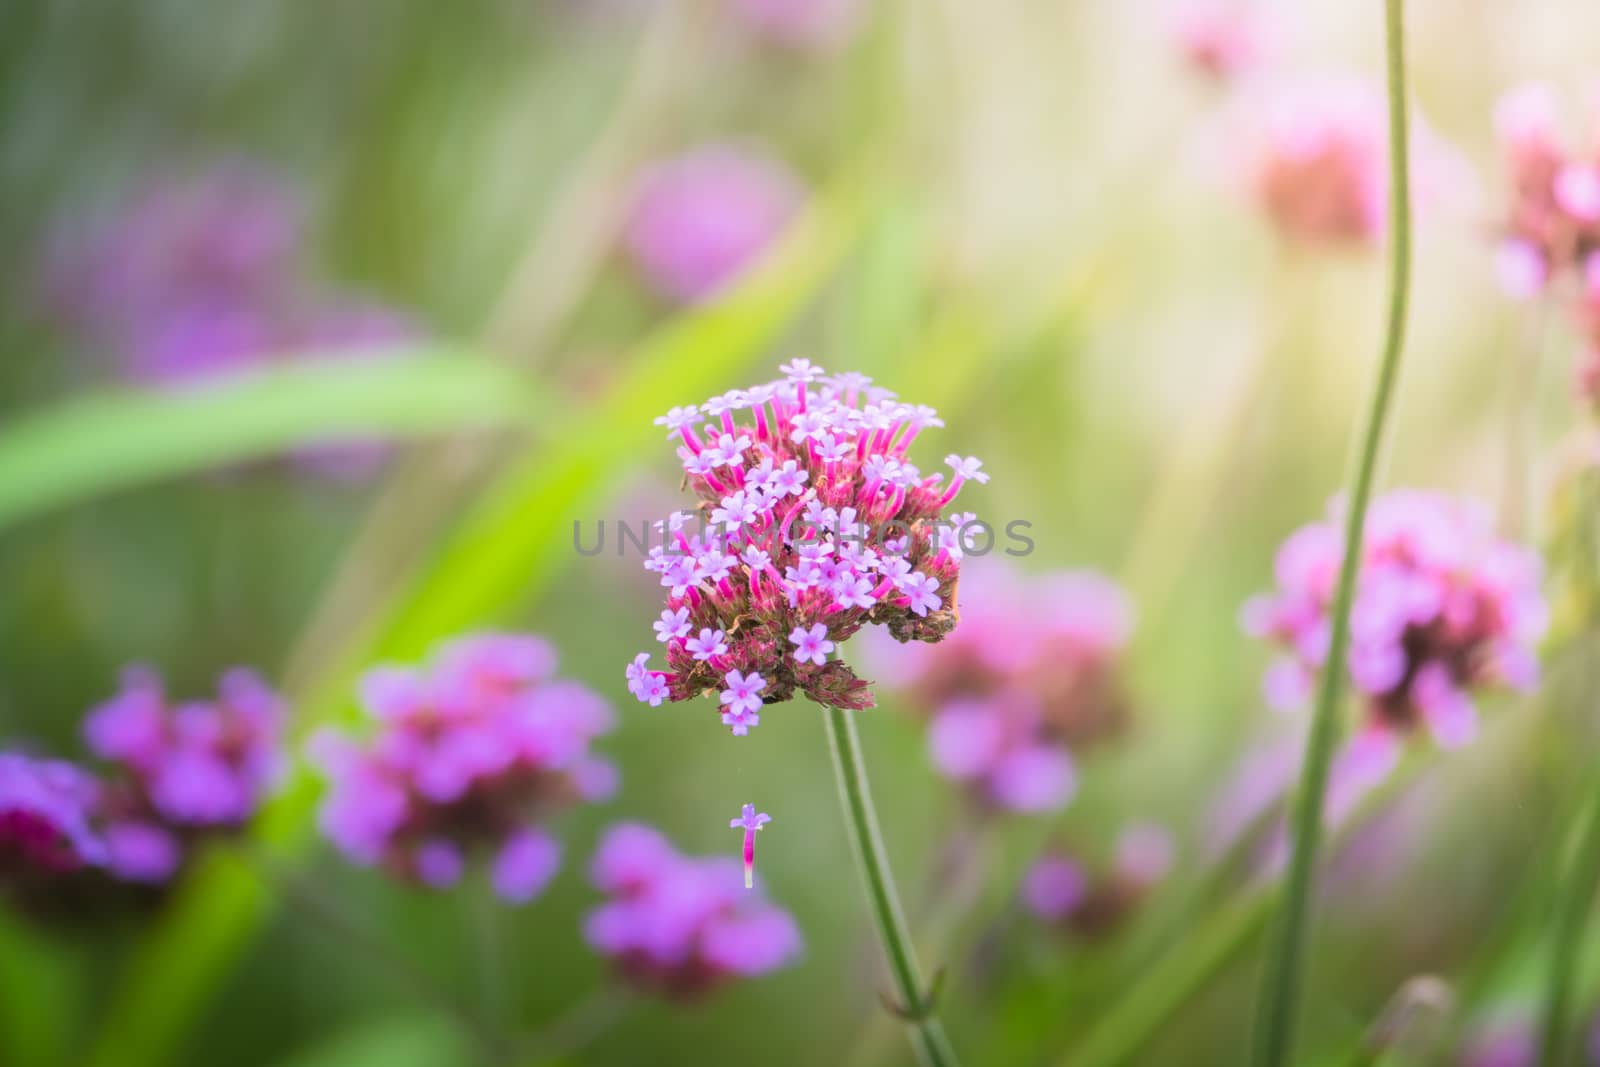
(681, 925)
(203, 275)
(1551, 227)
(1029, 675)
(1443, 607)
(181, 769)
(699, 220)
(46, 808)
(471, 754)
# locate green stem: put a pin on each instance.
(1578, 889)
(861, 821)
(1286, 956)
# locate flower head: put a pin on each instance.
(469, 755)
(1028, 676)
(1552, 226)
(1443, 608)
(46, 813)
(181, 770)
(818, 525)
(196, 276)
(1320, 166)
(700, 219)
(680, 925)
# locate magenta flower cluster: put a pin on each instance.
(473, 753)
(700, 219)
(1443, 608)
(681, 925)
(203, 274)
(1552, 228)
(1553, 224)
(1030, 675)
(175, 774)
(186, 768)
(46, 813)
(814, 523)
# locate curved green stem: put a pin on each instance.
(861, 821)
(1285, 964)
(1582, 875)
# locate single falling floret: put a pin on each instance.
(749, 822)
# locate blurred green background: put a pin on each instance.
(1021, 214)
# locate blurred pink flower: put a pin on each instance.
(1319, 167)
(473, 753)
(1443, 608)
(46, 813)
(182, 770)
(681, 925)
(202, 275)
(1029, 674)
(699, 220)
(1552, 226)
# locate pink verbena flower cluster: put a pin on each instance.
(681, 925)
(1058, 889)
(1030, 675)
(1319, 167)
(1443, 607)
(473, 753)
(1552, 227)
(181, 770)
(1320, 172)
(814, 523)
(46, 813)
(700, 219)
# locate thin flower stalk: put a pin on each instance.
(1285, 965)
